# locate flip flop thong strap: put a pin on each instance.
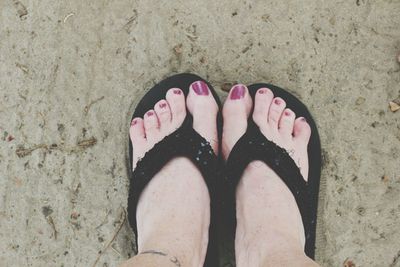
(253, 145)
(184, 142)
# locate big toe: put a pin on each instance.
(236, 110)
(204, 109)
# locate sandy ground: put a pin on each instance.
(71, 71)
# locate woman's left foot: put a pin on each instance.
(173, 212)
(269, 226)
(276, 122)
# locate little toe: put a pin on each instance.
(275, 112)
(151, 125)
(163, 113)
(177, 104)
(301, 133)
(262, 102)
(136, 131)
(138, 139)
(301, 130)
(286, 123)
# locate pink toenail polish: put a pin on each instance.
(238, 91)
(162, 105)
(133, 122)
(287, 113)
(150, 113)
(277, 101)
(177, 91)
(200, 88)
(262, 91)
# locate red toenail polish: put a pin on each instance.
(150, 113)
(262, 91)
(177, 92)
(200, 88)
(287, 113)
(133, 122)
(277, 101)
(162, 105)
(238, 91)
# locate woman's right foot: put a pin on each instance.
(269, 225)
(173, 212)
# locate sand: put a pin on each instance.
(71, 72)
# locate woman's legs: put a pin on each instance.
(269, 226)
(173, 213)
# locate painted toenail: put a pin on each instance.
(238, 91)
(177, 91)
(287, 113)
(303, 119)
(150, 113)
(277, 101)
(200, 88)
(133, 122)
(262, 91)
(162, 105)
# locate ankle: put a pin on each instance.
(152, 259)
(181, 255)
(188, 246)
(262, 244)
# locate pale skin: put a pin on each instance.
(173, 213)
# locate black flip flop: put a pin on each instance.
(253, 145)
(186, 142)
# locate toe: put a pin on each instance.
(302, 133)
(203, 107)
(286, 123)
(177, 105)
(151, 125)
(138, 139)
(200, 98)
(137, 132)
(238, 103)
(275, 112)
(163, 113)
(262, 102)
(236, 110)
(301, 130)
(200, 88)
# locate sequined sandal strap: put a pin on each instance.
(254, 146)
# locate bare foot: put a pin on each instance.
(269, 226)
(173, 213)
